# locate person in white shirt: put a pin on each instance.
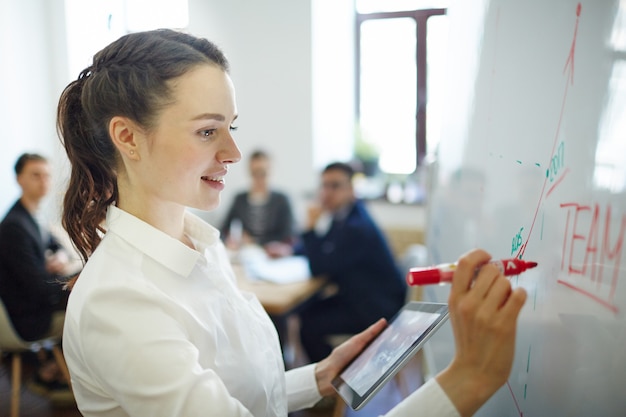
(155, 325)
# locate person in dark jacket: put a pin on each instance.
(33, 263)
(343, 243)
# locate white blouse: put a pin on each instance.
(154, 328)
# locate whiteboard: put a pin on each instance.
(532, 163)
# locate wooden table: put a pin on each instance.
(279, 299)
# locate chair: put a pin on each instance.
(11, 343)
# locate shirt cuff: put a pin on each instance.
(429, 400)
(302, 391)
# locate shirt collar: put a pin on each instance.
(159, 246)
(341, 214)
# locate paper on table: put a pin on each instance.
(281, 270)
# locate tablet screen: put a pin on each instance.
(398, 342)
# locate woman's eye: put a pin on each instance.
(233, 128)
(207, 133)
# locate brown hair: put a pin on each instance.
(340, 166)
(128, 78)
(24, 159)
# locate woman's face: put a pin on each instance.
(185, 157)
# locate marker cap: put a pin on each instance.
(423, 276)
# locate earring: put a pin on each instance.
(131, 152)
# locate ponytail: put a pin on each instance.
(93, 183)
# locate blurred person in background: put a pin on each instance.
(343, 243)
(260, 215)
(33, 266)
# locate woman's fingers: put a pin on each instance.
(353, 346)
(328, 368)
(483, 298)
(487, 277)
(466, 270)
(514, 304)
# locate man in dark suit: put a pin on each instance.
(32, 261)
(343, 242)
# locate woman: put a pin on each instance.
(155, 325)
(260, 215)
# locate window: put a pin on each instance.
(400, 56)
(610, 167)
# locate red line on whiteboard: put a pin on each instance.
(514, 399)
(594, 297)
(569, 64)
(557, 182)
(570, 58)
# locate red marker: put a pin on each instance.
(443, 273)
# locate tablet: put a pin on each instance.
(405, 334)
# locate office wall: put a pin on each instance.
(270, 59)
(30, 81)
(271, 68)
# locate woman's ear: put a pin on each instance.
(123, 133)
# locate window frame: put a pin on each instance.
(421, 22)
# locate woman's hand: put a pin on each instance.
(327, 369)
(483, 313)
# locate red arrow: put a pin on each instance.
(569, 65)
(570, 59)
